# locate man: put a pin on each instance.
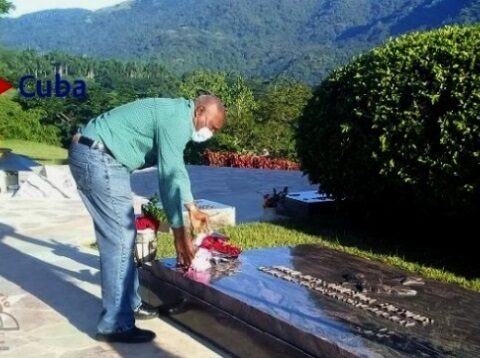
(101, 157)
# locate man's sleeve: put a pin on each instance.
(174, 183)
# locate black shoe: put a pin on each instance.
(146, 312)
(134, 335)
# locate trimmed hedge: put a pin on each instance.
(398, 129)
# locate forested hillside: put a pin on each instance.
(304, 39)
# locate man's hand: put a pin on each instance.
(183, 247)
(198, 219)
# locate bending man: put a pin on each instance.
(103, 154)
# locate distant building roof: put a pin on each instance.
(11, 162)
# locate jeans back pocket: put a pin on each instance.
(78, 161)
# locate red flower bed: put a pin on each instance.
(231, 159)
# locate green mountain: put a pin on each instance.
(303, 39)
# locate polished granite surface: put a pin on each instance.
(321, 325)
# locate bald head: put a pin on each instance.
(209, 112)
(208, 99)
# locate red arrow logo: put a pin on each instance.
(4, 86)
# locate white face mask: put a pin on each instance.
(202, 135)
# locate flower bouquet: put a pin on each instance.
(212, 249)
(152, 211)
(217, 244)
(147, 227)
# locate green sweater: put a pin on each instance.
(147, 132)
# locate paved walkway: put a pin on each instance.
(49, 278)
(50, 282)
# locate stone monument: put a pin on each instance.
(314, 302)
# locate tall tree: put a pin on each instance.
(279, 107)
(5, 6)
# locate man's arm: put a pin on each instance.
(175, 187)
(175, 190)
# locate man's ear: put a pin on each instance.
(199, 110)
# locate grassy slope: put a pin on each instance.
(43, 153)
(258, 235)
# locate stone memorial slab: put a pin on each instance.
(220, 215)
(310, 301)
(38, 187)
(61, 178)
(306, 203)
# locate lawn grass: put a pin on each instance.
(40, 152)
(289, 233)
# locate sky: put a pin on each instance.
(27, 6)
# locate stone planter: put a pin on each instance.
(220, 215)
(145, 245)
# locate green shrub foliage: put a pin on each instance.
(399, 127)
(18, 124)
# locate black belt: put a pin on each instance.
(94, 144)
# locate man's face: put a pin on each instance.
(209, 116)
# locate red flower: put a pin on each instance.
(231, 159)
(143, 222)
(218, 244)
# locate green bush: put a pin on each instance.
(398, 129)
(15, 123)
